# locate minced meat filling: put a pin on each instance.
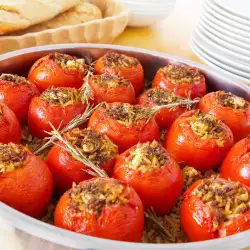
(97, 147)
(11, 157)
(231, 101)
(179, 74)
(61, 96)
(206, 127)
(110, 81)
(115, 60)
(14, 78)
(162, 96)
(225, 199)
(68, 62)
(93, 196)
(147, 157)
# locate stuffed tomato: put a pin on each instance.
(102, 207)
(124, 124)
(154, 175)
(96, 147)
(182, 80)
(123, 66)
(199, 140)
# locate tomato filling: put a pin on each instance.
(97, 147)
(61, 96)
(232, 101)
(12, 157)
(162, 97)
(189, 176)
(225, 199)
(68, 62)
(207, 127)
(115, 60)
(107, 80)
(94, 195)
(147, 157)
(14, 78)
(180, 74)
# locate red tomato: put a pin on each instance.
(16, 92)
(57, 106)
(120, 218)
(199, 140)
(154, 175)
(118, 122)
(58, 70)
(25, 180)
(181, 79)
(10, 130)
(67, 170)
(158, 97)
(209, 209)
(124, 66)
(111, 88)
(233, 110)
(236, 165)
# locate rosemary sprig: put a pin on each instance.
(77, 121)
(77, 154)
(150, 214)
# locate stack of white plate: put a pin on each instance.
(148, 12)
(222, 36)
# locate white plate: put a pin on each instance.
(227, 14)
(224, 32)
(213, 63)
(240, 58)
(236, 7)
(220, 57)
(224, 37)
(225, 25)
(226, 20)
(227, 45)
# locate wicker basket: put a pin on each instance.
(98, 31)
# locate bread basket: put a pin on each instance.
(98, 31)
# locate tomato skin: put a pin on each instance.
(67, 170)
(195, 90)
(154, 186)
(236, 165)
(238, 121)
(124, 94)
(29, 188)
(124, 137)
(18, 97)
(41, 113)
(185, 146)
(133, 74)
(46, 73)
(123, 223)
(10, 130)
(166, 116)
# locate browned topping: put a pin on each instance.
(97, 147)
(207, 127)
(68, 62)
(226, 199)
(115, 60)
(14, 78)
(11, 157)
(162, 96)
(147, 157)
(61, 96)
(110, 81)
(93, 196)
(232, 101)
(179, 74)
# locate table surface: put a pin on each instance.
(170, 36)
